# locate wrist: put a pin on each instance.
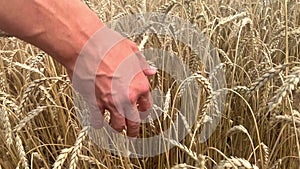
(76, 38)
(72, 34)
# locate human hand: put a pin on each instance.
(93, 72)
(111, 74)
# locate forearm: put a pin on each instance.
(60, 27)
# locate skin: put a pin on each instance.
(61, 28)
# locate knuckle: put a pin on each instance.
(118, 128)
(133, 97)
(134, 126)
(144, 108)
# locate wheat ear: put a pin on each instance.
(290, 82)
(21, 152)
(236, 163)
(61, 158)
(77, 147)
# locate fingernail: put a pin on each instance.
(153, 68)
(133, 139)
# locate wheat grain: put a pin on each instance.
(23, 66)
(167, 104)
(30, 116)
(77, 147)
(4, 116)
(7, 99)
(21, 151)
(287, 119)
(265, 78)
(31, 86)
(204, 82)
(143, 42)
(241, 128)
(91, 160)
(201, 161)
(266, 154)
(183, 165)
(47, 96)
(37, 63)
(167, 7)
(61, 158)
(241, 89)
(236, 129)
(235, 162)
(289, 84)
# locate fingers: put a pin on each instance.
(144, 103)
(147, 69)
(128, 118)
(133, 122)
(150, 71)
(117, 120)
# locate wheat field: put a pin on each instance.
(257, 42)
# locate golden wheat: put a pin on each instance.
(258, 46)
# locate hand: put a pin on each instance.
(111, 74)
(64, 39)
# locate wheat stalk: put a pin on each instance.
(241, 128)
(192, 154)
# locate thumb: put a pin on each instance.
(147, 69)
(150, 71)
